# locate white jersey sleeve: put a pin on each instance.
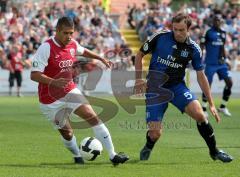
(40, 58)
(80, 49)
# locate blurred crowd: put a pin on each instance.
(148, 20)
(24, 28)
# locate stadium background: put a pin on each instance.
(128, 28)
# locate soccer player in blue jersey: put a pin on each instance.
(215, 60)
(171, 52)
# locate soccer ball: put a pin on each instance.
(90, 148)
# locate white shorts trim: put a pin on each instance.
(59, 111)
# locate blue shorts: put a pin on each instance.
(181, 97)
(221, 70)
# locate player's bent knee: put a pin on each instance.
(200, 117)
(154, 134)
(87, 113)
(91, 117)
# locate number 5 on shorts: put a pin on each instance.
(188, 95)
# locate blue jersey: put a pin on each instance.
(171, 57)
(214, 41)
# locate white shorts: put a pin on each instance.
(59, 111)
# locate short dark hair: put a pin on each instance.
(217, 17)
(182, 16)
(65, 21)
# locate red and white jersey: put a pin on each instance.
(15, 61)
(55, 61)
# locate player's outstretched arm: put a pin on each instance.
(140, 84)
(203, 83)
(89, 54)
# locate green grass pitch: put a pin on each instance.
(30, 147)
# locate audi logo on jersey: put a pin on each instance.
(65, 63)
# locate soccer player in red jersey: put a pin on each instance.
(58, 95)
(15, 68)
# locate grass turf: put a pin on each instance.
(29, 146)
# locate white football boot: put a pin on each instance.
(225, 111)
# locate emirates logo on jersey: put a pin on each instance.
(72, 52)
(169, 62)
